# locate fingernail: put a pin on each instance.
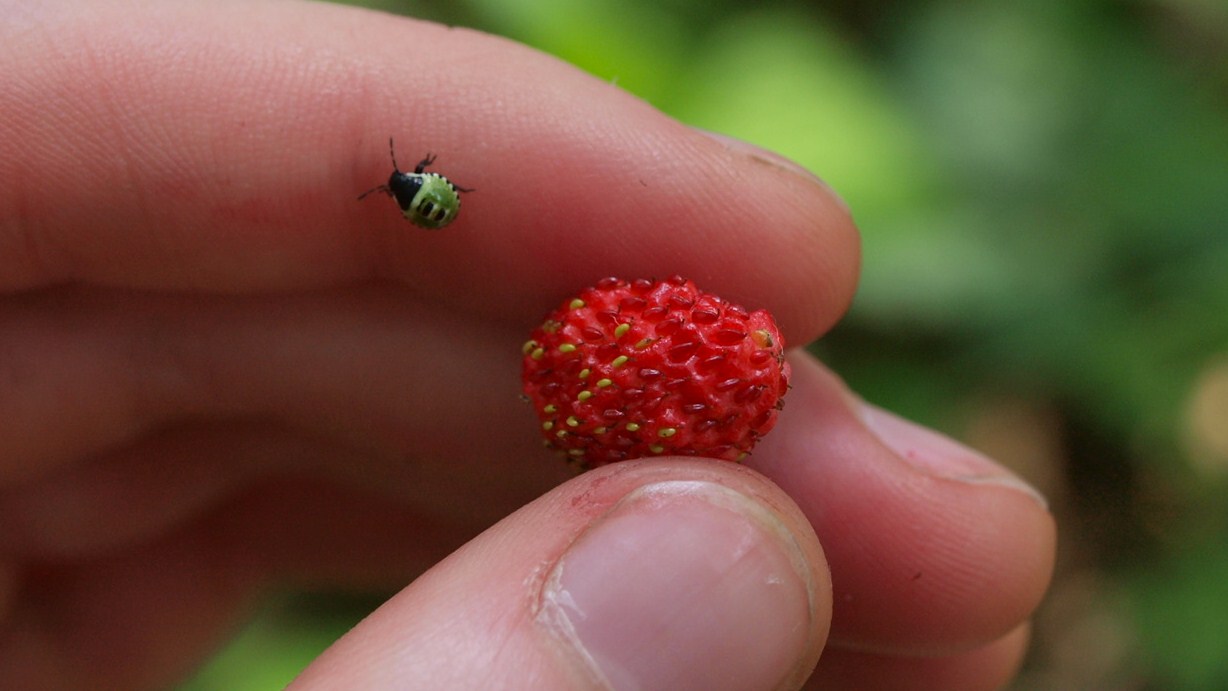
(683, 584)
(771, 158)
(942, 456)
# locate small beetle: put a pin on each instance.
(428, 199)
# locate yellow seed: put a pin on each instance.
(619, 361)
(584, 395)
(602, 383)
(561, 433)
(551, 325)
(548, 425)
(666, 432)
(575, 304)
(633, 427)
(537, 353)
(741, 456)
(550, 408)
(529, 346)
(567, 348)
(599, 430)
(644, 343)
(656, 448)
(585, 372)
(572, 421)
(621, 330)
(762, 338)
(576, 452)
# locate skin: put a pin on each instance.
(220, 374)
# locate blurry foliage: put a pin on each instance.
(1182, 610)
(1043, 193)
(285, 637)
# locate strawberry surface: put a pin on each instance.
(628, 369)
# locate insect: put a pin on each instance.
(428, 199)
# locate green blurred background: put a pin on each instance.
(1043, 193)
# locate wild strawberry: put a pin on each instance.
(644, 368)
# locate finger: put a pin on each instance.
(368, 368)
(933, 549)
(178, 402)
(143, 616)
(227, 160)
(989, 667)
(142, 490)
(676, 574)
(129, 621)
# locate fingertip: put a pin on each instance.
(817, 283)
(662, 574)
(729, 606)
(923, 562)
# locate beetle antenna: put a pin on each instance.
(393, 152)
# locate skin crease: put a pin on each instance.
(219, 374)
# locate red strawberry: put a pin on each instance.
(641, 368)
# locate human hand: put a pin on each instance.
(219, 373)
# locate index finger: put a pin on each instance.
(221, 148)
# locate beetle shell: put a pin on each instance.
(428, 199)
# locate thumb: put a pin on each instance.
(677, 574)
